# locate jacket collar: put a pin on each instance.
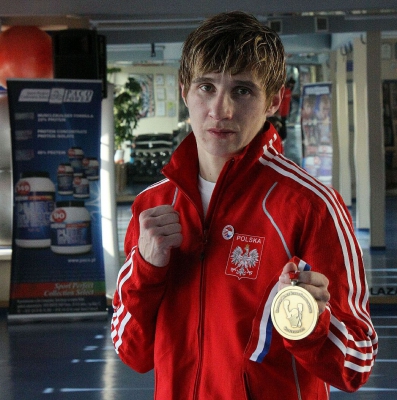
(183, 168)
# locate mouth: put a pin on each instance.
(221, 132)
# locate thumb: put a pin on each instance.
(284, 278)
(290, 266)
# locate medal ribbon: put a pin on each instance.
(259, 344)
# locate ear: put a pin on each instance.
(184, 95)
(275, 103)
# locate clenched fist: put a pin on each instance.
(160, 231)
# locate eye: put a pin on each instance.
(242, 91)
(205, 87)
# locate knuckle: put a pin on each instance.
(143, 216)
(327, 297)
(145, 224)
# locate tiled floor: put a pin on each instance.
(74, 361)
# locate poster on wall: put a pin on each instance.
(317, 130)
(147, 85)
(57, 268)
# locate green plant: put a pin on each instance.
(127, 110)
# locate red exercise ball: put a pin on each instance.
(25, 52)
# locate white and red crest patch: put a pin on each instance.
(245, 255)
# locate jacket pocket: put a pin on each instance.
(247, 387)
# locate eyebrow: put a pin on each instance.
(201, 79)
(239, 82)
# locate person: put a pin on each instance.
(307, 111)
(285, 107)
(308, 127)
(208, 247)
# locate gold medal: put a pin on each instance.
(294, 311)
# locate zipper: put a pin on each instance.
(200, 329)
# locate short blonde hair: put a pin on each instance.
(232, 43)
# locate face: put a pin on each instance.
(227, 112)
(307, 109)
(324, 108)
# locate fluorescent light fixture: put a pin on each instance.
(146, 24)
(367, 17)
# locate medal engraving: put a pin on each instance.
(294, 312)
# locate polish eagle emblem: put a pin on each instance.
(244, 261)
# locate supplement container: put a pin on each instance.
(81, 187)
(76, 156)
(34, 203)
(70, 228)
(65, 179)
(91, 168)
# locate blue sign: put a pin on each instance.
(57, 255)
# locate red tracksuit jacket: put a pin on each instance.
(202, 322)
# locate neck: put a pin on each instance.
(210, 167)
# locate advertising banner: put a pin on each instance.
(57, 268)
(317, 130)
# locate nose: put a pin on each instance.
(221, 106)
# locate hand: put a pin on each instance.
(314, 282)
(160, 231)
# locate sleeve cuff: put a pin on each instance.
(146, 273)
